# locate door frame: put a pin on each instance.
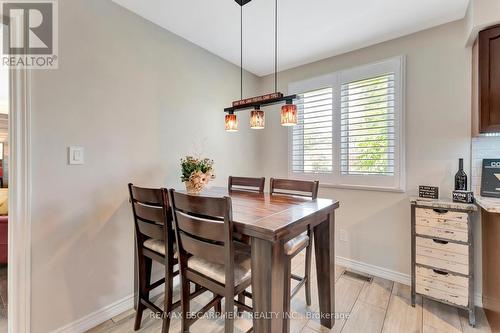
(19, 256)
(19, 180)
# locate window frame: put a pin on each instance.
(396, 182)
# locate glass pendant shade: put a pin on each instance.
(231, 122)
(257, 119)
(289, 115)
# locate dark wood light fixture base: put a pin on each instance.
(242, 2)
(265, 100)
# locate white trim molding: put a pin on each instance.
(374, 270)
(98, 317)
(387, 274)
(19, 257)
(106, 313)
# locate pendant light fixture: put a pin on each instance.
(231, 120)
(257, 120)
(289, 110)
(289, 115)
(231, 123)
(257, 117)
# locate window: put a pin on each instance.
(367, 127)
(350, 127)
(312, 136)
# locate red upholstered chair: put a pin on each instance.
(3, 238)
(4, 218)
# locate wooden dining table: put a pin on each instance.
(268, 222)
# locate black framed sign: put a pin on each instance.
(490, 178)
(428, 192)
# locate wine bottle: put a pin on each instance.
(460, 177)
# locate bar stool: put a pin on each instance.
(246, 184)
(208, 255)
(303, 241)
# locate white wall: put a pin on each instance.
(480, 15)
(137, 98)
(437, 134)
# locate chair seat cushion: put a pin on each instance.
(294, 244)
(216, 271)
(158, 246)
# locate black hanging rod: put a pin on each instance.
(288, 99)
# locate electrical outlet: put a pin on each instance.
(344, 236)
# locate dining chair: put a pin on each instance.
(303, 241)
(155, 240)
(208, 255)
(246, 184)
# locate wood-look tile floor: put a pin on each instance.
(363, 307)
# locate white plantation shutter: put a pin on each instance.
(350, 128)
(312, 137)
(367, 126)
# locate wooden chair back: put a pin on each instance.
(294, 187)
(246, 184)
(204, 229)
(152, 214)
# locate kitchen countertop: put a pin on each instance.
(443, 203)
(491, 205)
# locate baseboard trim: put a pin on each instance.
(387, 274)
(374, 270)
(108, 312)
(95, 318)
(100, 316)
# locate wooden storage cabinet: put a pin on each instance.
(442, 253)
(487, 56)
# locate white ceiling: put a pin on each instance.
(309, 30)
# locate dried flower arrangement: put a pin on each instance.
(196, 173)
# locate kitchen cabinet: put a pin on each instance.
(490, 219)
(486, 81)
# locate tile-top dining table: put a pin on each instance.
(269, 221)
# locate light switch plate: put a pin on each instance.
(75, 155)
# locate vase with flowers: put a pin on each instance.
(196, 173)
